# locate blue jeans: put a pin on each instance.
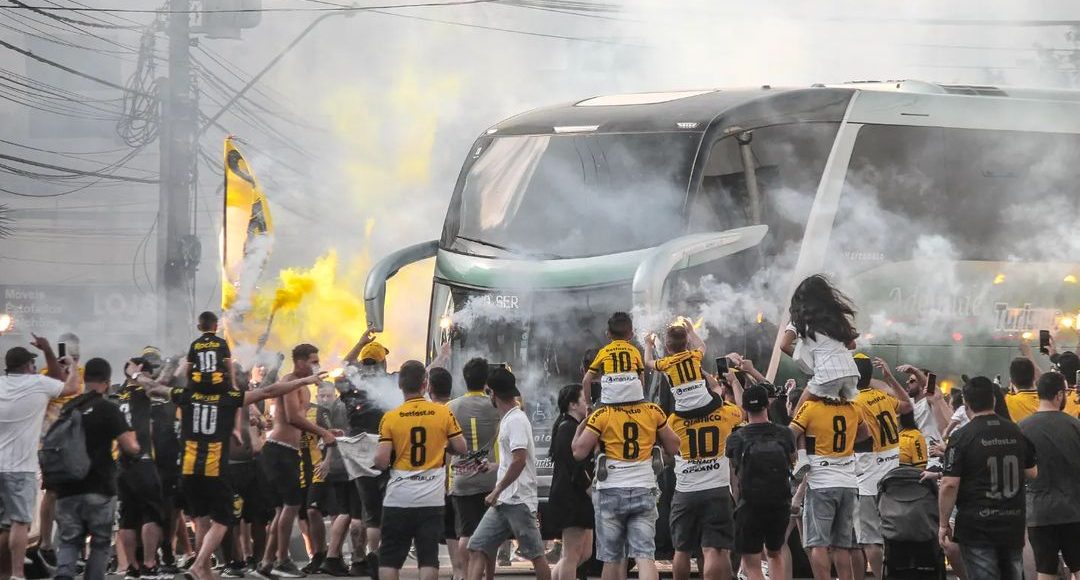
(505, 521)
(993, 562)
(77, 516)
(625, 518)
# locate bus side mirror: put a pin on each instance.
(383, 270)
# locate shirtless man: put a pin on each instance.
(280, 464)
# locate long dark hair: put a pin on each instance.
(567, 395)
(817, 307)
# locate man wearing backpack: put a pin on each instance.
(761, 455)
(87, 506)
(24, 395)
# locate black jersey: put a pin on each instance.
(206, 424)
(989, 456)
(209, 359)
(165, 433)
(135, 404)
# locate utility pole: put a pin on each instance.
(178, 250)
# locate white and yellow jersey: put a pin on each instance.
(419, 431)
(627, 435)
(830, 428)
(688, 386)
(702, 461)
(879, 454)
(620, 367)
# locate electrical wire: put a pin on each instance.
(251, 10)
(64, 18)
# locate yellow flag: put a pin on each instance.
(246, 235)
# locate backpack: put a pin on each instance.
(908, 508)
(63, 455)
(765, 472)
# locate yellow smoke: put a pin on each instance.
(389, 135)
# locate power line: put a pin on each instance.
(73, 171)
(68, 69)
(249, 10)
(44, 12)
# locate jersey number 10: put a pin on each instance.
(207, 361)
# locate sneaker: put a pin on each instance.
(336, 567)
(48, 555)
(503, 556)
(372, 561)
(234, 570)
(184, 562)
(287, 569)
(802, 465)
(601, 467)
(168, 570)
(313, 566)
(657, 461)
(131, 574)
(264, 572)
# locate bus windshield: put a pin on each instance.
(569, 196)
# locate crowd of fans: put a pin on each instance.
(194, 465)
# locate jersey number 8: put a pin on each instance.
(417, 449)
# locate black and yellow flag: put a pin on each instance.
(246, 236)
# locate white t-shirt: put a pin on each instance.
(23, 399)
(924, 418)
(825, 357)
(960, 416)
(515, 432)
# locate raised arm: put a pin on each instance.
(443, 360)
(369, 335)
(650, 351)
(71, 383)
(693, 340)
(52, 366)
(895, 387)
(280, 388)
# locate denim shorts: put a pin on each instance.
(505, 521)
(625, 518)
(993, 562)
(18, 492)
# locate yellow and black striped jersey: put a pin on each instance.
(702, 461)
(206, 424)
(879, 410)
(913, 451)
(682, 367)
(618, 356)
(310, 454)
(1072, 405)
(209, 358)
(418, 431)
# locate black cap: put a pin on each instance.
(17, 357)
(755, 398)
(503, 384)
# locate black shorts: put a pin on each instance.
(320, 496)
(468, 511)
(372, 490)
(280, 465)
(209, 496)
(702, 519)
(248, 486)
(404, 526)
(138, 489)
(573, 511)
(449, 521)
(1048, 541)
(347, 498)
(761, 525)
